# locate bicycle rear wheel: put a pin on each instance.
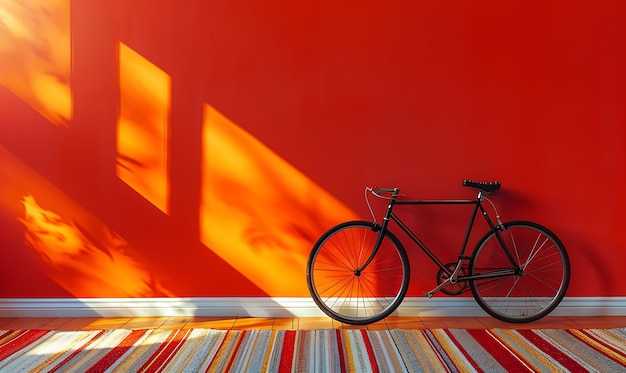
(340, 290)
(540, 282)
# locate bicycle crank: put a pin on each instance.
(451, 288)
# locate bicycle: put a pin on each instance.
(358, 272)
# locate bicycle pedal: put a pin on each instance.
(428, 294)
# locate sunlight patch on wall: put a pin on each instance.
(86, 264)
(74, 248)
(35, 55)
(257, 212)
(143, 127)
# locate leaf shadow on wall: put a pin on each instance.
(259, 213)
(71, 245)
(93, 199)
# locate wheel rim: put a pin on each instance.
(540, 285)
(347, 293)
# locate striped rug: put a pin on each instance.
(334, 350)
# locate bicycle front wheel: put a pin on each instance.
(540, 279)
(342, 291)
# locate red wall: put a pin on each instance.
(319, 99)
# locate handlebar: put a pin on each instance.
(380, 191)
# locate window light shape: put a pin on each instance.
(35, 55)
(143, 127)
(86, 265)
(259, 213)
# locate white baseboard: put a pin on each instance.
(270, 307)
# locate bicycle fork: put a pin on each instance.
(381, 229)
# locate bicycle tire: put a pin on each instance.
(353, 298)
(537, 289)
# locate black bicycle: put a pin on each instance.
(358, 271)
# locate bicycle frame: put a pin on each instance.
(359, 272)
(453, 275)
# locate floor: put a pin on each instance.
(306, 323)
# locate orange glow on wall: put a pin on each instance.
(258, 212)
(95, 266)
(143, 127)
(35, 55)
(482, 93)
(66, 242)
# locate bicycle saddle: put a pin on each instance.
(488, 187)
